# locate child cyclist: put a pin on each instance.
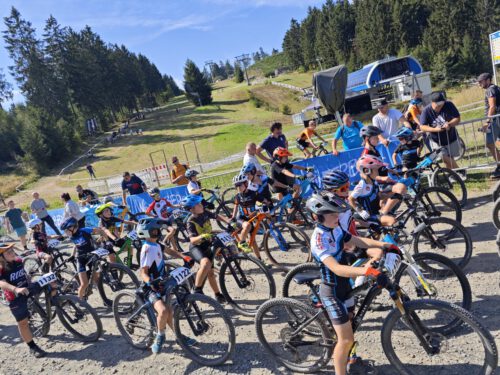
(43, 251)
(259, 183)
(281, 171)
(409, 148)
(328, 243)
(14, 282)
(152, 270)
(366, 197)
(111, 233)
(194, 187)
(304, 139)
(84, 245)
(199, 230)
(160, 208)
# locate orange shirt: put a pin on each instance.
(306, 133)
(178, 170)
(414, 113)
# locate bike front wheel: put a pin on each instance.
(114, 278)
(39, 320)
(436, 201)
(285, 329)
(246, 283)
(471, 350)
(451, 181)
(79, 318)
(202, 318)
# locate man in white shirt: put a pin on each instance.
(388, 120)
(250, 157)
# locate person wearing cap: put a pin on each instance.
(178, 172)
(272, 142)
(86, 196)
(438, 120)
(388, 121)
(133, 184)
(491, 128)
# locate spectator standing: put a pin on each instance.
(71, 209)
(251, 158)
(178, 172)
(133, 184)
(15, 219)
(91, 171)
(388, 121)
(491, 108)
(349, 133)
(39, 208)
(439, 120)
(272, 142)
(86, 196)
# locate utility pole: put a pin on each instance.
(319, 62)
(210, 64)
(244, 59)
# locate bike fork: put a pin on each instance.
(279, 239)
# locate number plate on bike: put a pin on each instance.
(225, 238)
(392, 262)
(132, 235)
(47, 279)
(100, 252)
(180, 274)
(53, 243)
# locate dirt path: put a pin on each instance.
(112, 355)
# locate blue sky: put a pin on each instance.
(170, 31)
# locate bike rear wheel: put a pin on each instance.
(224, 209)
(211, 327)
(301, 292)
(283, 329)
(451, 181)
(136, 323)
(181, 239)
(114, 278)
(436, 201)
(32, 266)
(471, 350)
(79, 318)
(250, 283)
(286, 246)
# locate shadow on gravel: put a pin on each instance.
(9, 334)
(486, 309)
(477, 201)
(484, 263)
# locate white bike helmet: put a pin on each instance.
(34, 222)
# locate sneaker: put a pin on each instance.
(220, 298)
(198, 290)
(357, 366)
(157, 345)
(37, 352)
(463, 175)
(243, 246)
(187, 340)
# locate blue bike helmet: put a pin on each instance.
(416, 101)
(68, 223)
(334, 179)
(249, 168)
(404, 132)
(190, 173)
(190, 201)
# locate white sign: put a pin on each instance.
(495, 52)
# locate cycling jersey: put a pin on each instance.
(326, 242)
(277, 173)
(159, 208)
(262, 190)
(152, 257)
(40, 240)
(246, 202)
(347, 223)
(110, 224)
(306, 133)
(82, 239)
(14, 274)
(192, 186)
(200, 224)
(409, 153)
(367, 196)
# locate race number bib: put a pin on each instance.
(392, 262)
(180, 274)
(225, 238)
(100, 252)
(53, 243)
(47, 279)
(132, 235)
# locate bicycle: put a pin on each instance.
(219, 205)
(72, 311)
(304, 339)
(320, 151)
(194, 314)
(35, 265)
(106, 275)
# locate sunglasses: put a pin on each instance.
(240, 184)
(342, 189)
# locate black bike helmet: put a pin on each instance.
(369, 131)
(334, 179)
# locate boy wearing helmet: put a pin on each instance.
(409, 148)
(366, 196)
(159, 206)
(14, 281)
(328, 247)
(152, 267)
(281, 171)
(260, 183)
(199, 230)
(194, 187)
(111, 233)
(40, 240)
(84, 245)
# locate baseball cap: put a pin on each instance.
(437, 97)
(382, 103)
(174, 159)
(5, 246)
(484, 77)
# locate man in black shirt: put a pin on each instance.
(86, 196)
(491, 128)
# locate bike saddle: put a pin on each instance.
(306, 277)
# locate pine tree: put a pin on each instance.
(308, 29)
(325, 46)
(229, 68)
(198, 89)
(238, 74)
(262, 54)
(292, 46)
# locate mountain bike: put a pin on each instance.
(195, 315)
(415, 335)
(219, 205)
(34, 265)
(321, 150)
(75, 314)
(109, 277)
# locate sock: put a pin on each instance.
(32, 344)
(198, 288)
(161, 332)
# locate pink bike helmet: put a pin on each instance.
(369, 162)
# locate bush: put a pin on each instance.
(286, 110)
(256, 102)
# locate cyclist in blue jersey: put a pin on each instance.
(328, 243)
(409, 148)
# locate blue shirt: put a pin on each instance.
(270, 143)
(134, 186)
(350, 135)
(83, 241)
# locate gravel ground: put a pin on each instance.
(112, 355)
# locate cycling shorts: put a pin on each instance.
(302, 144)
(203, 250)
(337, 310)
(19, 306)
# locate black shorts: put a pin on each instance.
(203, 250)
(302, 144)
(338, 310)
(19, 306)
(281, 190)
(151, 296)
